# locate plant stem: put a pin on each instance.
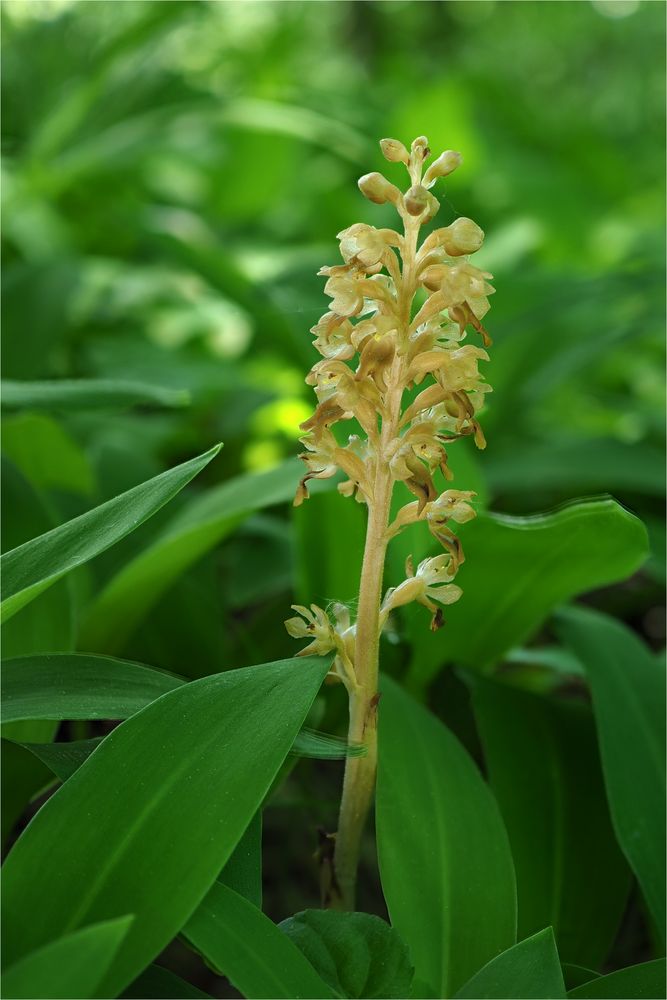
(360, 772)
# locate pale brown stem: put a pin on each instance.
(359, 780)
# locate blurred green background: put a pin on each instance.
(174, 175)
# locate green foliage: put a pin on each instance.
(147, 832)
(70, 968)
(570, 872)
(445, 861)
(357, 954)
(173, 175)
(628, 691)
(528, 969)
(32, 567)
(243, 944)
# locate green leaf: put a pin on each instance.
(78, 686)
(544, 767)
(87, 394)
(445, 860)
(156, 983)
(518, 569)
(37, 564)
(528, 971)
(357, 954)
(46, 454)
(242, 943)
(628, 689)
(47, 623)
(70, 968)
(199, 526)
(150, 819)
(638, 982)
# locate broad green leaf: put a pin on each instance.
(530, 970)
(156, 983)
(87, 394)
(37, 564)
(544, 767)
(147, 823)
(628, 689)
(78, 686)
(242, 943)
(638, 982)
(327, 569)
(69, 968)
(518, 569)
(128, 597)
(46, 454)
(357, 954)
(445, 861)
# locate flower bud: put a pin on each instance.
(463, 237)
(420, 147)
(446, 163)
(416, 199)
(378, 189)
(394, 151)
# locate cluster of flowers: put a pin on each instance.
(398, 316)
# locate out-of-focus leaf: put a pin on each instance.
(37, 564)
(544, 768)
(46, 455)
(530, 970)
(242, 943)
(78, 686)
(445, 861)
(357, 954)
(638, 982)
(328, 560)
(69, 968)
(48, 622)
(518, 568)
(150, 829)
(87, 394)
(579, 466)
(197, 528)
(628, 689)
(156, 983)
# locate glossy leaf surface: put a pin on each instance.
(638, 982)
(87, 394)
(70, 968)
(528, 971)
(155, 813)
(518, 569)
(445, 861)
(244, 945)
(78, 686)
